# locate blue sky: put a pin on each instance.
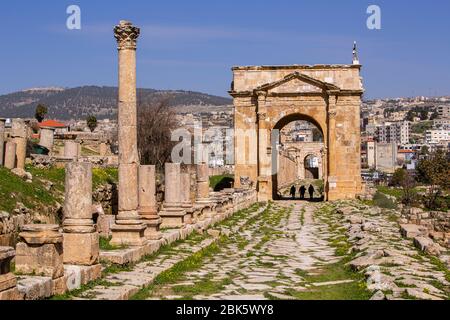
(193, 44)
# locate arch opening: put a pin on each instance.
(298, 158)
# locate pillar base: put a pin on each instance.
(42, 252)
(81, 248)
(172, 217)
(128, 235)
(152, 221)
(189, 216)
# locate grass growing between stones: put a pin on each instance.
(105, 244)
(355, 290)
(177, 272)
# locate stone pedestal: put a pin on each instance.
(19, 136)
(81, 241)
(186, 202)
(47, 137)
(172, 214)
(2, 141)
(203, 199)
(41, 253)
(10, 155)
(128, 229)
(147, 202)
(8, 281)
(71, 150)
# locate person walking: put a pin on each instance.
(293, 191)
(311, 191)
(302, 192)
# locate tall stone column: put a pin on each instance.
(147, 202)
(2, 141)
(47, 137)
(80, 239)
(332, 178)
(172, 214)
(264, 170)
(128, 229)
(10, 155)
(19, 135)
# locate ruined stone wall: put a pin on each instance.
(287, 171)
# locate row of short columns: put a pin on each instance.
(45, 250)
(13, 151)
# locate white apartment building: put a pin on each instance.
(437, 136)
(444, 111)
(394, 132)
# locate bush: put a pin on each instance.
(383, 201)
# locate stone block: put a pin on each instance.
(411, 230)
(76, 276)
(44, 260)
(81, 248)
(11, 294)
(35, 288)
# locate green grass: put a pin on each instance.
(107, 246)
(13, 189)
(177, 272)
(202, 287)
(100, 176)
(220, 181)
(395, 192)
(356, 290)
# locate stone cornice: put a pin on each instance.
(126, 35)
(293, 67)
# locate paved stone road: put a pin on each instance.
(286, 250)
(263, 257)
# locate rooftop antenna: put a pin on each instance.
(355, 54)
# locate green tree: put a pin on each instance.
(398, 177)
(91, 123)
(434, 171)
(403, 179)
(40, 113)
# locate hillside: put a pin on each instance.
(77, 103)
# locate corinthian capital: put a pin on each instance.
(126, 35)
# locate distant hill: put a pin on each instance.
(77, 103)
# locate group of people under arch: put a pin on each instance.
(302, 190)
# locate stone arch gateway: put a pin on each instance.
(268, 97)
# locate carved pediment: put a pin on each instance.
(297, 83)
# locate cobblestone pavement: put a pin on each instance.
(264, 257)
(286, 250)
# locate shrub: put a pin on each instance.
(383, 201)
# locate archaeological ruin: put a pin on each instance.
(237, 243)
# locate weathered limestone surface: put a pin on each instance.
(186, 202)
(81, 241)
(41, 252)
(19, 136)
(129, 229)
(2, 141)
(268, 98)
(172, 214)
(203, 202)
(147, 202)
(8, 281)
(71, 149)
(10, 155)
(47, 138)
